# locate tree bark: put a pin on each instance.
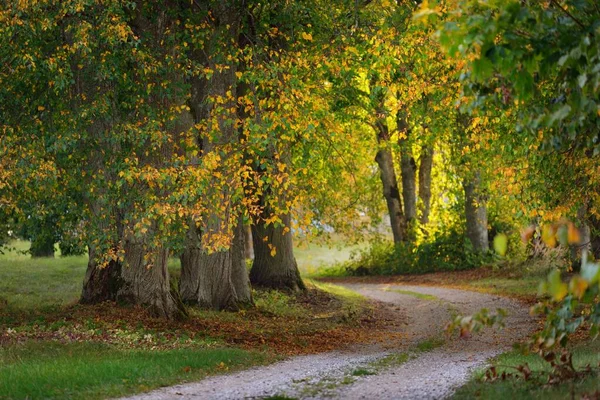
(274, 265)
(146, 281)
(390, 184)
(425, 167)
(101, 283)
(476, 214)
(217, 280)
(408, 170)
(248, 245)
(189, 280)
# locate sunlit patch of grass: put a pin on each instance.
(522, 286)
(430, 344)
(391, 360)
(44, 370)
(337, 290)
(517, 388)
(363, 372)
(418, 295)
(277, 303)
(312, 257)
(352, 302)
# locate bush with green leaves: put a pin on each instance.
(447, 251)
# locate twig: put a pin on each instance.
(566, 12)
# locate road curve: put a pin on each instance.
(369, 372)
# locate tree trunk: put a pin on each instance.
(220, 278)
(425, 166)
(217, 280)
(408, 169)
(390, 192)
(248, 245)
(143, 279)
(146, 281)
(274, 265)
(190, 267)
(100, 283)
(476, 214)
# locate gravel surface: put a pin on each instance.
(430, 374)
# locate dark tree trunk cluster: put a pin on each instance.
(216, 279)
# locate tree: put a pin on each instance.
(535, 62)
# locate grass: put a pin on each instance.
(41, 285)
(312, 257)
(363, 372)
(418, 295)
(517, 388)
(522, 286)
(52, 347)
(392, 360)
(39, 370)
(430, 344)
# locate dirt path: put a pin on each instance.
(424, 366)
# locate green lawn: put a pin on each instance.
(311, 257)
(41, 370)
(52, 348)
(34, 290)
(517, 388)
(45, 283)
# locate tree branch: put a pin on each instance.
(566, 12)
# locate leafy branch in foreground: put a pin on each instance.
(568, 306)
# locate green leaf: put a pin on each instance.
(591, 272)
(483, 68)
(501, 244)
(556, 287)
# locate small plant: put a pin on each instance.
(568, 306)
(362, 372)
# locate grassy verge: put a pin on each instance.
(536, 388)
(522, 285)
(52, 347)
(40, 370)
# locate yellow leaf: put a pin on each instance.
(577, 286)
(549, 235)
(574, 236)
(307, 36)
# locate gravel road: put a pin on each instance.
(424, 366)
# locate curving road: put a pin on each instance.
(369, 372)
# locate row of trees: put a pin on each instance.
(147, 129)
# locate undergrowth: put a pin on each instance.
(448, 251)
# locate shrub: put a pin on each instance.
(448, 251)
